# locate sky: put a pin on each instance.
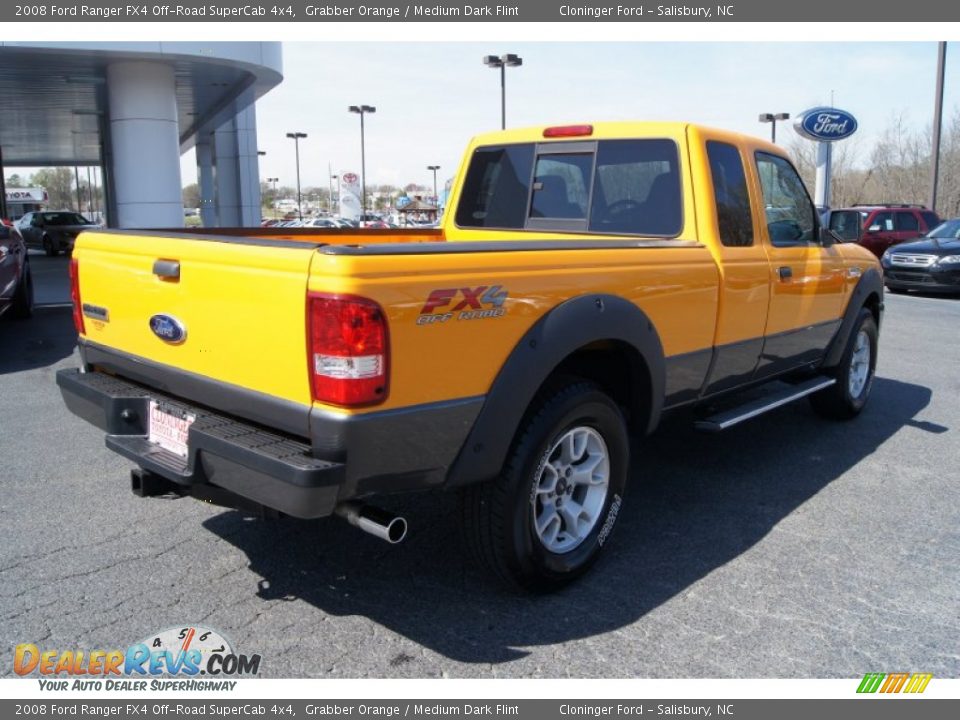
(431, 97)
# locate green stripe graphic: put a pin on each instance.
(871, 682)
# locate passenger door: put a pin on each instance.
(741, 260)
(879, 233)
(807, 279)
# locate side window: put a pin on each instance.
(734, 221)
(790, 215)
(496, 188)
(561, 186)
(907, 221)
(930, 219)
(881, 222)
(637, 188)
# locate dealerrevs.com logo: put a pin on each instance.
(172, 659)
(887, 683)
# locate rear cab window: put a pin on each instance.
(606, 187)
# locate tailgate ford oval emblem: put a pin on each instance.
(168, 329)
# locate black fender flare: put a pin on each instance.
(870, 283)
(570, 326)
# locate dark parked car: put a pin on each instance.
(931, 264)
(54, 232)
(16, 284)
(883, 226)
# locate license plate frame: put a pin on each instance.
(169, 428)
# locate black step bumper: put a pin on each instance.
(261, 466)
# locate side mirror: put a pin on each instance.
(828, 237)
(845, 226)
(874, 228)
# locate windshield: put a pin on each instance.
(64, 218)
(948, 229)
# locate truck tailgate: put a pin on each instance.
(240, 302)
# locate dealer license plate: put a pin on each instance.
(169, 428)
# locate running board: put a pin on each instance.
(735, 416)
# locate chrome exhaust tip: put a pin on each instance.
(376, 521)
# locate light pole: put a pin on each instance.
(436, 200)
(274, 181)
(937, 122)
(362, 110)
(503, 62)
(772, 119)
(296, 137)
(333, 180)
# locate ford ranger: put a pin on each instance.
(586, 280)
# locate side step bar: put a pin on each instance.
(735, 416)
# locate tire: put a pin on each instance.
(49, 247)
(568, 427)
(23, 297)
(848, 396)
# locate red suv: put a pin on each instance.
(885, 225)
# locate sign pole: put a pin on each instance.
(821, 193)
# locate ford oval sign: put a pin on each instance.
(168, 329)
(825, 124)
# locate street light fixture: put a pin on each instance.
(503, 62)
(296, 137)
(436, 200)
(772, 119)
(362, 110)
(274, 181)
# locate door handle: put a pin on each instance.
(169, 269)
(785, 273)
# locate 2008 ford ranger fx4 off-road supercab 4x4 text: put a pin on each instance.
(586, 279)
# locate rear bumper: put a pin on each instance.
(264, 467)
(345, 457)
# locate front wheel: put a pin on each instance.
(846, 398)
(544, 521)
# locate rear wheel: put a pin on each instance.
(847, 397)
(23, 297)
(543, 522)
(50, 247)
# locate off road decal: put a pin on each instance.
(479, 303)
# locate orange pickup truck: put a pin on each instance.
(586, 280)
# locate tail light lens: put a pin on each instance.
(568, 131)
(348, 348)
(75, 296)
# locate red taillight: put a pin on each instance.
(348, 350)
(568, 131)
(75, 296)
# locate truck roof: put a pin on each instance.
(610, 130)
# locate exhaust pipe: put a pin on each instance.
(376, 521)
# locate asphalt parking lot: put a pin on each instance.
(785, 547)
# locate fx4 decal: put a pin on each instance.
(463, 304)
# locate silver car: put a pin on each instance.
(54, 231)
